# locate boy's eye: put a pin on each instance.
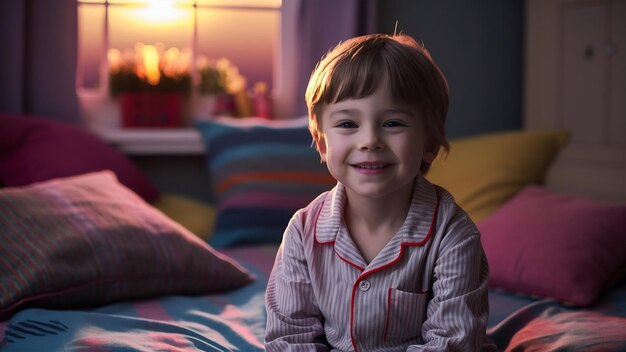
(393, 123)
(346, 124)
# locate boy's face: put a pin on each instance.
(373, 145)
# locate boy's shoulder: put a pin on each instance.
(456, 214)
(315, 206)
(445, 197)
(304, 221)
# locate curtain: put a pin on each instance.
(321, 25)
(38, 63)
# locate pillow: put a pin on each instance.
(196, 216)
(548, 244)
(34, 149)
(482, 172)
(88, 240)
(571, 331)
(262, 171)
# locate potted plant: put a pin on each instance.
(222, 89)
(150, 84)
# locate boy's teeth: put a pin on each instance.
(370, 166)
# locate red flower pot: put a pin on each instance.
(147, 109)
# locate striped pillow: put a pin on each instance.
(262, 171)
(88, 240)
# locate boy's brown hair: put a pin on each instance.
(356, 68)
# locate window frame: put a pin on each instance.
(283, 65)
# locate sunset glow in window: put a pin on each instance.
(246, 32)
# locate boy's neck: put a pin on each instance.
(374, 211)
(378, 213)
(373, 222)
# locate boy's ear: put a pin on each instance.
(428, 157)
(430, 152)
(431, 148)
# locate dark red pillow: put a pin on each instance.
(35, 149)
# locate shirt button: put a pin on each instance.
(364, 285)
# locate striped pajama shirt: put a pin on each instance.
(425, 291)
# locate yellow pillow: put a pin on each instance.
(482, 172)
(196, 216)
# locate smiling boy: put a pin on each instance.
(385, 261)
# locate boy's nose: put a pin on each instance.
(371, 140)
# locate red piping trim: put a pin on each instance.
(331, 242)
(363, 275)
(409, 244)
(349, 262)
(433, 222)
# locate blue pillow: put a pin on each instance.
(261, 172)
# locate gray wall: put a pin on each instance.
(478, 45)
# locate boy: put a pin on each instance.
(385, 261)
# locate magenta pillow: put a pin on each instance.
(35, 149)
(87, 240)
(553, 245)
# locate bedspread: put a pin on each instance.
(546, 325)
(235, 321)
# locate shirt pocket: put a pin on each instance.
(405, 314)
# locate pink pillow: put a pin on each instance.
(34, 149)
(554, 245)
(87, 240)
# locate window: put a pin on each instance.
(248, 33)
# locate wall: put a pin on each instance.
(478, 45)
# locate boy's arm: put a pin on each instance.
(294, 321)
(457, 313)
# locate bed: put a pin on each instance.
(92, 260)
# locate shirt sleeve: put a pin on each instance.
(294, 320)
(458, 311)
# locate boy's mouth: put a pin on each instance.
(370, 165)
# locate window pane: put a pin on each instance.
(156, 3)
(129, 25)
(90, 45)
(251, 47)
(241, 3)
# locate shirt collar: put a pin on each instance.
(415, 229)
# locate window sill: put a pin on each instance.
(152, 141)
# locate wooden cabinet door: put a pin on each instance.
(616, 51)
(583, 71)
(575, 79)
